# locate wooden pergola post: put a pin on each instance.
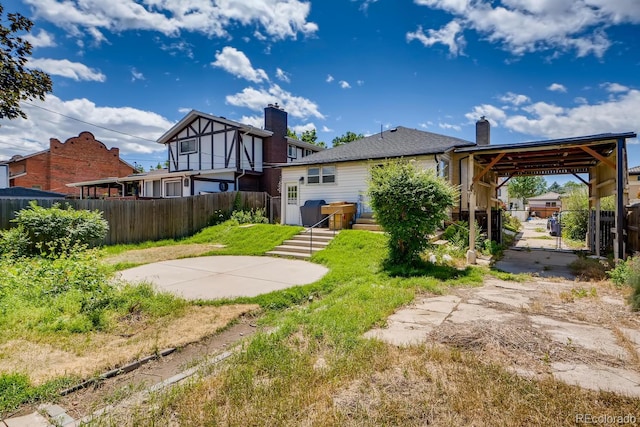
(471, 253)
(619, 249)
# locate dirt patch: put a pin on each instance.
(88, 355)
(162, 253)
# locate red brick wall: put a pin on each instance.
(81, 158)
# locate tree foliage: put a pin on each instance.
(555, 187)
(523, 187)
(346, 138)
(17, 82)
(409, 203)
(308, 136)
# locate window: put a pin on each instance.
(499, 192)
(292, 194)
(550, 204)
(321, 175)
(291, 151)
(188, 146)
(443, 169)
(307, 152)
(173, 188)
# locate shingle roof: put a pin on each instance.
(22, 192)
(635, 170)
(398, 142)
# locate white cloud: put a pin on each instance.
(447, 35)
(236, 62)
(614, 87)
(299, 129)
(66, 68)
(514, 98)
(255, 121)
(257, 99)
(329, 78)
(450, 126)
(184, 110)
(545, 120)
(326, 129)
(31, 135)
(136, 75)
(344, 84)
(42, 39)
(182, 46)
(360, 82)
(580, 100)
(522, 26)
(365, 4)
(557, 87)
(283, 75)
(279, 19)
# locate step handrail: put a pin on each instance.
(310, 230)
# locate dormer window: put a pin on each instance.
(188, 146)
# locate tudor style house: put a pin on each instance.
(79, 158)
(209, 154)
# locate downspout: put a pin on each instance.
(244, 172)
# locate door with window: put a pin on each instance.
(292, 205)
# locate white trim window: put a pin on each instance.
(188, 146)
(173, 188)
(321, 175)
(292, 151)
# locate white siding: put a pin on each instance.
(253, 146)
(351, 181)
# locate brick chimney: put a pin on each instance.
(275, 147)
(483, 131)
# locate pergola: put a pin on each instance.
(603, 157)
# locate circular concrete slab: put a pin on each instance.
(216, 277)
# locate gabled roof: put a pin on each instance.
(25, 193)
(546, 196)
(634, 170)
(194, 114)
(397, 142)
(303, 144)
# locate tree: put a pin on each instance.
(523, 187)
(570, 186)
(555, 187)
(17, 82)
(291, 134)
(346, 138)
(409, 203)
(311, 137)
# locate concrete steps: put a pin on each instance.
(366, 221)
(301, 246)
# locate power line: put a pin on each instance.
(90, 124)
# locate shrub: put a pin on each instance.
(14, 242)
(253, 216)
(409, 204)
(621, 274)
(56, 230)
(510, 222)
(218, 217)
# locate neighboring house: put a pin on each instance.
(342, 173)
(634, 184)
(208, 154)
(544, 205)
(78, 158)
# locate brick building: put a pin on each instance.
(80, 158)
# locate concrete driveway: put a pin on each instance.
(215, 277)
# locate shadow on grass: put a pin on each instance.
(425, 269)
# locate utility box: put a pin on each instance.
(341, 214)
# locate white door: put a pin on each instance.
(292, 206)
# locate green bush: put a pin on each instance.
(14, 242)
(55, 230)
(510, 222)
(621, 273)
(253, 216)
(409, 203)
(218, 217)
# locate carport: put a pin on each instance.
(603, 157)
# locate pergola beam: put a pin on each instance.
(599, 157)
(488, 167)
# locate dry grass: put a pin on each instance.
(161, 253)
(85, 355)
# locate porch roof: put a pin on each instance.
(551, 157)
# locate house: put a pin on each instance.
(208, 154)
(342, 173)
(78, 158)
(545, 205)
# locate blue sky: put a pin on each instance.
(538, 69)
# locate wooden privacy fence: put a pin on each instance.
(632, 228)
(132, 221)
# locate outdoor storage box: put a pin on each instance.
(343, 217)
(310, 212)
